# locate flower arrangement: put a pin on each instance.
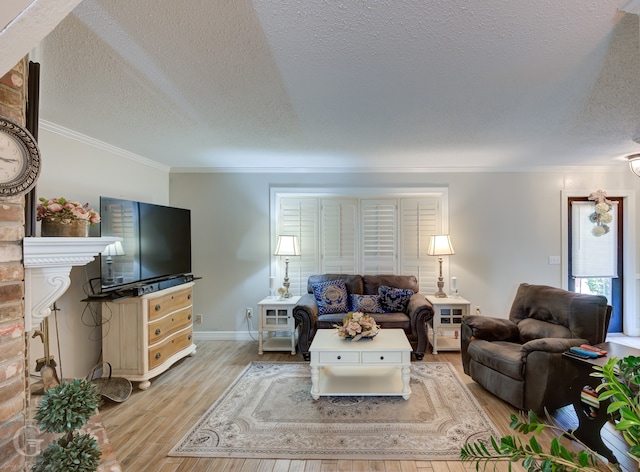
(601, 216)
(356, 326)
(66, 209)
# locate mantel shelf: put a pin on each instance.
(48, 263)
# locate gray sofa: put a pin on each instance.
(520, 359)
(413, 321)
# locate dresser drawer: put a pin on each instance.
(170, 324)
(161, 306)
(336, 357)
(164, 350)
(381, 357)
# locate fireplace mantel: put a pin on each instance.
(48, 263)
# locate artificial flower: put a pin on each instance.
(356, 326)
(66, 209)
(602, 207)
(606, 218)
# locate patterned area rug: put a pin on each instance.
(268, 412)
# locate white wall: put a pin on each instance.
(78, 169)
(504, 226)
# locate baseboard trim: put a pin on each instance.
(225, 336)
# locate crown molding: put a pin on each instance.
(89, 141)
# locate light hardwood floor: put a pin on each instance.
(145, 427)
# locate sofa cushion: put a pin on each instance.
(531, 328)
(384, 320)
(353, 282)
(394, 320)
(394, 299)
(373, 282)
(331, 296)
(365, 303)
(501, 356)
(330, 320)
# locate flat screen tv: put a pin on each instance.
(156, 243)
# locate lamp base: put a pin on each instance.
(440, 293)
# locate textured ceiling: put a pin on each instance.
(386, 84)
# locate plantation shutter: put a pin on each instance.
(339, 241)
(379, 236)
(299, 217)
(593, 256)
(419, 219)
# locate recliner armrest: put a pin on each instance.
(490, 328)
(557, 345)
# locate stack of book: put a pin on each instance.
(589, 398)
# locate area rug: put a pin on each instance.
(267, 412)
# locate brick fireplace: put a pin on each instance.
(14, 380)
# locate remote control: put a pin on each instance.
(584, 352)
(594, 349)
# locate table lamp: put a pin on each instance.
(440, 245)
(287, 246)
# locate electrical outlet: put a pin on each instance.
(249, 312)
(478, 310)
(199, 319)
(554, 260)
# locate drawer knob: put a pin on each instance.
(339, 357)
(189, 297)
(158, 331)
(157, 307)
(189, 337)
(189, 316)
(158, 355)
(381, 358)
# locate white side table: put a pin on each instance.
(276, 316)
(447, 322)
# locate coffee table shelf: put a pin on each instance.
(360, 381)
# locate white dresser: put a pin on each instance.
(144, 336)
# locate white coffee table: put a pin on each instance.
(378, 366)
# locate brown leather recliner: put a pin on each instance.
(520, 359)
(413, 320)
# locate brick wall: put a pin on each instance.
(14, 380)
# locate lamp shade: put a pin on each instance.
(287, 246)
(440, 245)
(114, 249)
(634, 163)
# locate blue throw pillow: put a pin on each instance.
(331, 296)
(365, 303)
(394, 299)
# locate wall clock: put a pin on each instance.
(19, 159)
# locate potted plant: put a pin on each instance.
(64, 409)
(619, 387)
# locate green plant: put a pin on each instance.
(619, 387)
(621, 380)
(64, 409)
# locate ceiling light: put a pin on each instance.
(634, 163)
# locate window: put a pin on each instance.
(595, 262)
(359, 234)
